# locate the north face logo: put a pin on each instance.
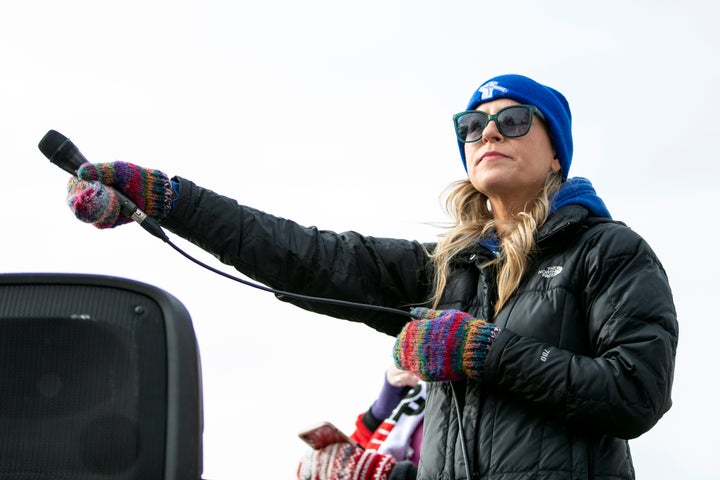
(550, 271)
(486, 91)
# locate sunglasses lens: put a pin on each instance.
(514, 121)
(511, 122)
(470, 126)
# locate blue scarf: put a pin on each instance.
(574, 191)
(579, 191)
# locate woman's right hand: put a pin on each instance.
(93, 202)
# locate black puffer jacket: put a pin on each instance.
(584, 361)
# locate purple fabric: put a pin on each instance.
(388, 399)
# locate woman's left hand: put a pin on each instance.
(444, 345)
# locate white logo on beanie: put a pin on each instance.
(488, 89)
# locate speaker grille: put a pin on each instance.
(82, 383)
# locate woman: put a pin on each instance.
(552, 335)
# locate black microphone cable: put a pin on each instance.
(283, 293)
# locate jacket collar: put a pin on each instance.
(566, 218)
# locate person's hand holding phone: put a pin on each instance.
(324, 434)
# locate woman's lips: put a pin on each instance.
(491, 155)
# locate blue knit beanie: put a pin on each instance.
(551, 103)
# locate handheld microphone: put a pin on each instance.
(63, 153)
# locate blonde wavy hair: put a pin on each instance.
(472, 218)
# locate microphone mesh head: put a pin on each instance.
(50, 143)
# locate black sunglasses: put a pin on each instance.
(513, 121)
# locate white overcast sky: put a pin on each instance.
(338, 114)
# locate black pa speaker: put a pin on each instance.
(99, 380)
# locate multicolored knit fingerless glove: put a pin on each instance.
(444, 345)
(92, 202)
(345, 461)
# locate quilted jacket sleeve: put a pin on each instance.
(286, 256)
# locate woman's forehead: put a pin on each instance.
(495, 105)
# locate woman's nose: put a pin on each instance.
(491, 132)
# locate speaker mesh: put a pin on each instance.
(82, 383)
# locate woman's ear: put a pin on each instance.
(555, 165)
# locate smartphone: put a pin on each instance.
(324, 434)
